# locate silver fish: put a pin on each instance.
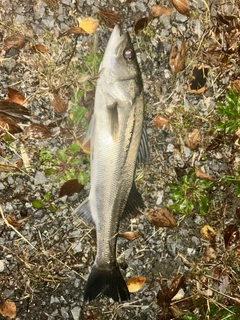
(118, 144)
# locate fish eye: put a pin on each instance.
(128, 54)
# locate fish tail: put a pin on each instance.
(108, 282)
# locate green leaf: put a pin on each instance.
(74, 148)
(47, 196)
(62, 156)
(37, 204)
(83, 178)
(46, 155)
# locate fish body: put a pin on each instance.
(118, 143)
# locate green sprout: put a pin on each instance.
(190, 194)
(230, 110)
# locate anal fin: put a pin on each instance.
(134, 203)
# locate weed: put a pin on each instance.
(190, 194)
(230, 110)
(68, 163)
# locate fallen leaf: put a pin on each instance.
(17, 41)
(177, 57)
(8, 309)
(40, 48)
(14, 110)
(7, 124)
(89, 25)
(193, 139)
(13, 222)
(142, 24)
(74, 30)
(161, 217)
(109, 18)
(160, 121)
(208, 233)
(130, 235)
(181, 6)
(231, 235)
(70, 187)
(158, 11)
(202, 175)
(135, 283)
(175, 285)
(37, 131)
(15, 96)
(59, 104)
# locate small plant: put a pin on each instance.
(68, 163)
(230, 110)
(190, 194)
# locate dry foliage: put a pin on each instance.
(158, 11)
(181, 6)
(161, 217)
(177, 57)
(135, 283)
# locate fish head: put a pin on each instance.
(120, 71)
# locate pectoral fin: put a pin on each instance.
(143, 151)
(133, 203)
(83, 212)
(113, 121)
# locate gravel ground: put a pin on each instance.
(45, 262)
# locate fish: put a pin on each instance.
(118, 144)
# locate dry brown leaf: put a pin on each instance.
(208, 233)
(135, 283)
(181, 6)
(161, 217)
(40, 48)
(193, 139)
(12, 220)
(74, 30)
(109, 18)
(202, 175)
(16, 96)
(130, 235)
(9, 125)
(37, 131)
(17, 41)
(177, 58)
(14, 110)
(176, 284)
(89, 24)
(8, 309)
(70, 187)
(231, 235)
(158, 11)
(59, 104)
(160, 121)
(142, 24)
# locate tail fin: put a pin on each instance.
(108, 282)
